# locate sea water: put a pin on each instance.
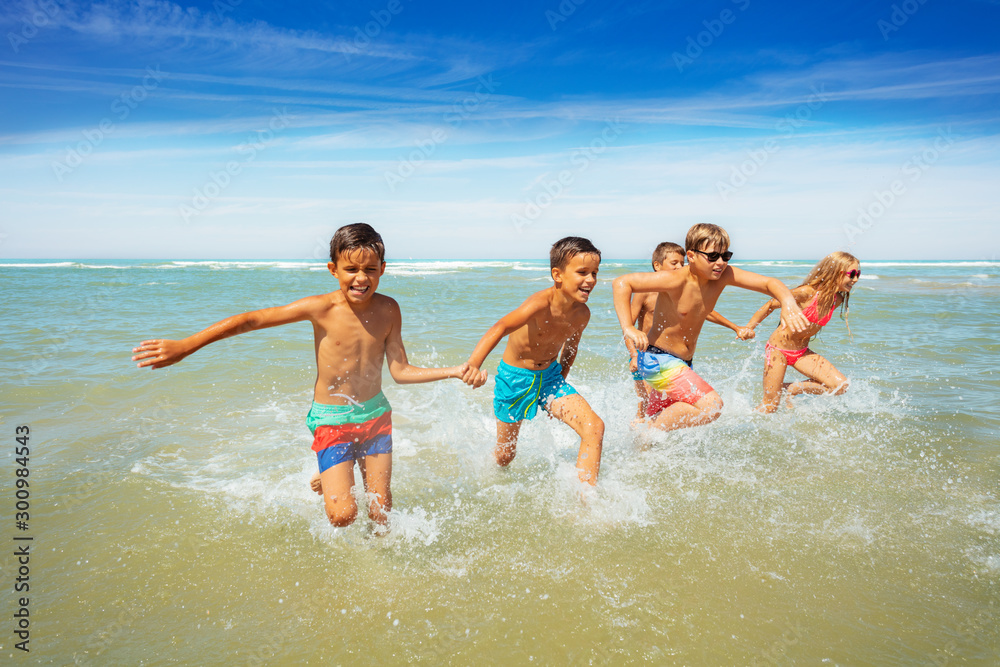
(173, 523)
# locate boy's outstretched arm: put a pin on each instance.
(160, 353)
(791, 314)
(743, 333)
(507, 324)
(400, 369)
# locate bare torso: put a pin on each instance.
(350, 346)
(536, 344)
(644, 321)
(680, 314)
(786, 339)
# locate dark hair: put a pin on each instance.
(353, 237)
(664, 249)
(565, 249)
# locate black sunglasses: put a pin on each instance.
(714, 256)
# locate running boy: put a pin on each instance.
(667, 256)
(547, 325)
(693, 291)
(353, 329)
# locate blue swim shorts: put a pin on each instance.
(520, 391)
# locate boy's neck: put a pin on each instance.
(357, 307)
(561, 299)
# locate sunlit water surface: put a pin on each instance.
(173, 522)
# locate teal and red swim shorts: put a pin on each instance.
(350, 432)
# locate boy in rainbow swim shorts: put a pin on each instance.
(547, 326)
(354, 329)
(667, 256)
(692, 294)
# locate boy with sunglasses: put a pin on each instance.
(667, 256)
(683, 399)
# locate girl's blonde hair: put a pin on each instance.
(826, 276)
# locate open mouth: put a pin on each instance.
(359, 289)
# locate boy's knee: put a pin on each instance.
(342, 514)
(595, 425)
(842, 388)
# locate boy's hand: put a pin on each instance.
(792, 317)
(159, 353)
(745, 333)
(473, 376)
(633, 364)
(637, 338)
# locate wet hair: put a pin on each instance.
(566, 249)
(663, 250)
(705, 235)
(355, 237)
(825, 278)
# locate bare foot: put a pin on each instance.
(316, 484)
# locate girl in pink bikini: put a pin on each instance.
(827, 287)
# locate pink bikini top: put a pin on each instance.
(811, 314)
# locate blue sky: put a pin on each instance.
(244, 129)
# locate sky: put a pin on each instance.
(248, 129)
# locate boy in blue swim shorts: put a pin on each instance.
(543, 335)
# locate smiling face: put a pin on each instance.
(847, 281)
(358, 272)
(578, 277)
(701, 267)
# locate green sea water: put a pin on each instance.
(172, 522)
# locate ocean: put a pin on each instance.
(171, 521)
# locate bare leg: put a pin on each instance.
(577, 413)
(825, 378)
(684, 415)
(376, 471)
(775, 366)
(642, 391)
(337, 482)
(506, 442)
